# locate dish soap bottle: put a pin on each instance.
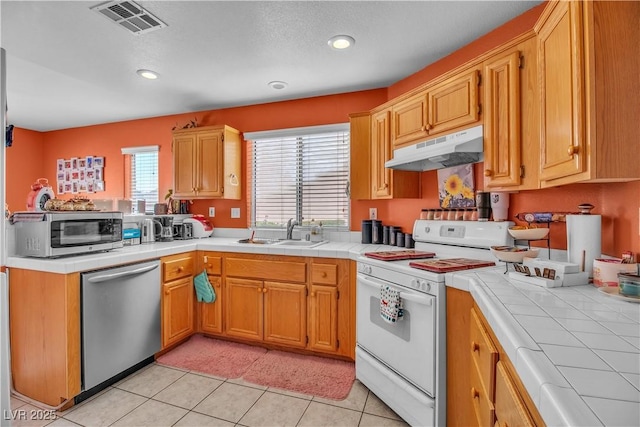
(316, 231)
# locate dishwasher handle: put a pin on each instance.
(107, 277)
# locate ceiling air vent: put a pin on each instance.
(129, 16)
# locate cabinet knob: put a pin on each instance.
(180, 269)
(423, 128)
(209, 265)
(573, 149)
(259, 289)
(313, 294)
(167, 291)
(488, 172)
(429, 126)
(324, 274)
(264, 290)
(385, 185)
(475, 346)
(474, 393)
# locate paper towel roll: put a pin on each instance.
(584, 236)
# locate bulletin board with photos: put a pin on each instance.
(80, 175)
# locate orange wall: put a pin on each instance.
(34, 154)
(24, 165)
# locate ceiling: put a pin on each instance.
(69, 66)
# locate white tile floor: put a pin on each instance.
(162, 396)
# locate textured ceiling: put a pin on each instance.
(68, 66)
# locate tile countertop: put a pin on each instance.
(137, 253)
(576, 350)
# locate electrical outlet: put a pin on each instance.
(235, 212)
(212, 212)
(373, 213)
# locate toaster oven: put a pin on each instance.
(55, 234)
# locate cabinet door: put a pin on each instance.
(285, 313)
(243, 308)
(209, 164)
(323, 318)
(409, 120)
(561, 73)
(184, 165)
(381, 177)
(360, 153)
(453, 103)
(510, 410)
(177, 311)
(502, 156)
(211, 313)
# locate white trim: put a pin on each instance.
(308, 130)
(141, 149)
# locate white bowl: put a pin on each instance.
(512, 253)
(529, 233)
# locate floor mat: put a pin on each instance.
(317, 376)
(312, 375)
(211, 356)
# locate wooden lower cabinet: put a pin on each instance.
(483, 388)
(285, 313)
(209, 316)
(177, 298)
(323, 318)
(211, 313)
(243, 308)
(44, 318)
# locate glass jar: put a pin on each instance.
(451, 215)
(437, 215)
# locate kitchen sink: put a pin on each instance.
(259, 241)
(300, 243)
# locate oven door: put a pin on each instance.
(407, 346)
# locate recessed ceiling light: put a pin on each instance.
(148, 74)
(341, 42)
(277, 85)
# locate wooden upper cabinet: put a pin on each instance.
(588, 119)
(360, 148)
(454, 102)
(450, 104)
(502, 158)
(207, 163)
(560, 59)
(381, 177)
(409, 120)
(388, 183)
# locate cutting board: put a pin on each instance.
(399, 255)
(451, 264)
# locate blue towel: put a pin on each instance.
(204, 290)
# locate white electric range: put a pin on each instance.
(404, 363)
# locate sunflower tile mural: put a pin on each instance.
(456, 187)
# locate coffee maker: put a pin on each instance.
(164, 233)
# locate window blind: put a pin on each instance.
(143, 175)
(302, 176)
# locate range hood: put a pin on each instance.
(441, 152)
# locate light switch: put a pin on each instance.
(212, 211)
(235, 212)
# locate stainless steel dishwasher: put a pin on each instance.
(120, 319)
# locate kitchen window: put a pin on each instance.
(141, 175)
(300, 173)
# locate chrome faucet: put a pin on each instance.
(290, 224)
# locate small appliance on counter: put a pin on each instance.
(202, 227)
(182, 230)
(40, 192)
(165, 231)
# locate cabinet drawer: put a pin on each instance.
(510, 409)
(483, 409)
(324, 274)
(212, 264)
(288, 271)
(483, 353)
(177, 266)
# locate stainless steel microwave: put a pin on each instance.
(54, 234)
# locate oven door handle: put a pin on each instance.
(420, 299)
